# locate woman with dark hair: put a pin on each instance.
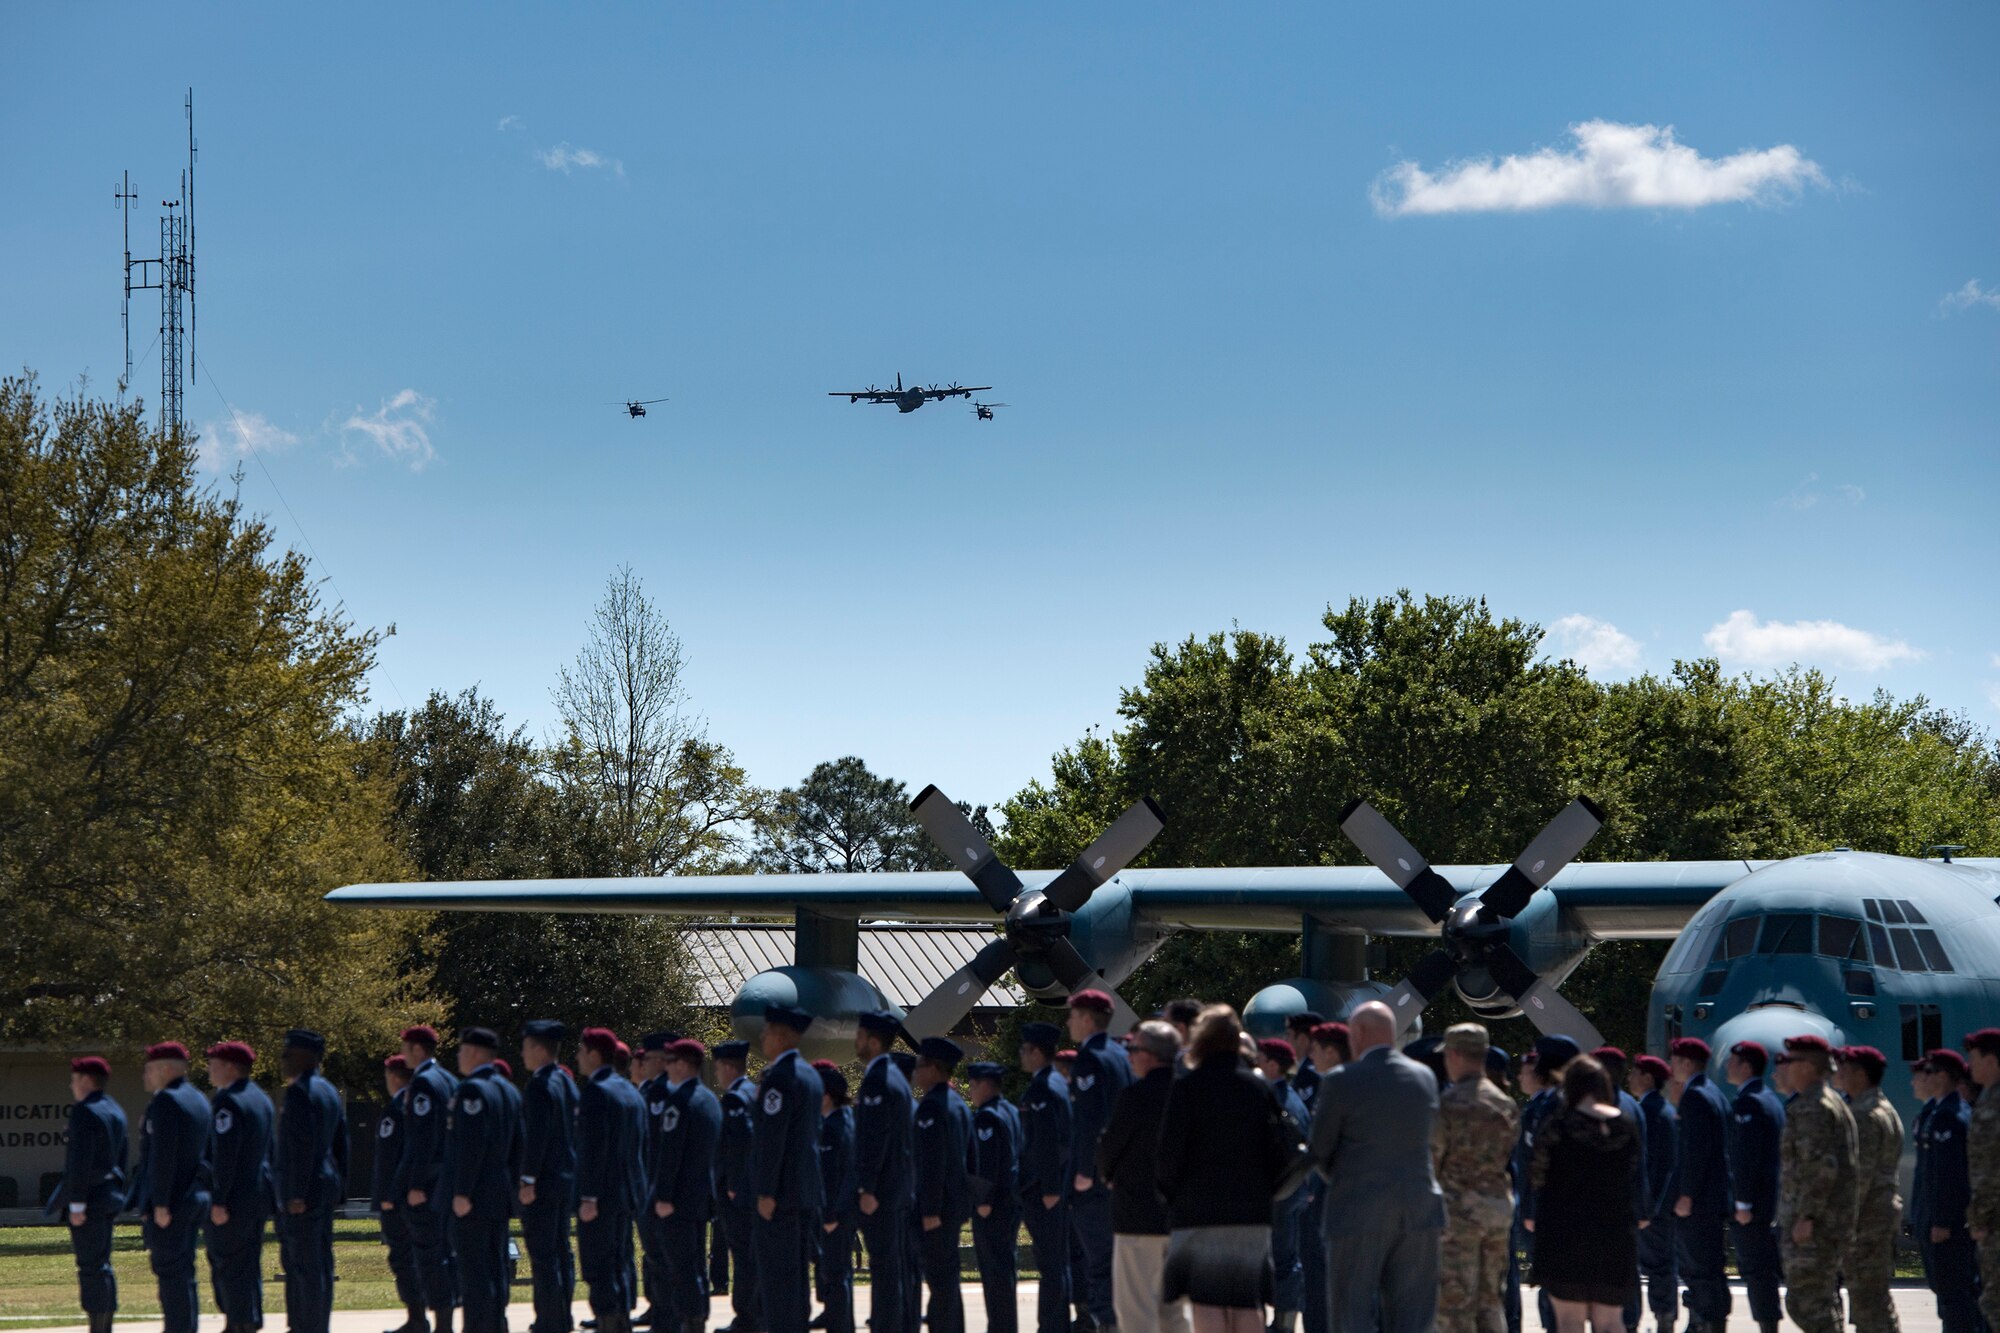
(1587, 1199)
(1218, 1195)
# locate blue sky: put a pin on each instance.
(1724, 390)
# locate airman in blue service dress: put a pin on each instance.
(833, 1251)
(784, 1173)
(547, 1190)
(1702, 1179)
(996, 1199)
(241, 1191)
(92, 1189)
(1276, 1057)
(883, 1189)
(1102, 1071)
(683, 1184)
(944, 1190)
(170, 1184)
(1661, 1274)
(1942, 1188)
(913, 1234)
(652, 1256)
(431, 1088)
(1756, 1127)
(312, 1181)
(482, 1163)
(610, 1179)
(388, 1201)
(734, 1203)
(1045, 1174)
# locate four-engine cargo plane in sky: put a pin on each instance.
(1860, 948)
(912, 398)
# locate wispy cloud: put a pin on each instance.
(1810, 493)
(1612, 166)
(399, 428)
(238, 436)
(1598, 646)
(1771, 643)
(1970, 295)
(509, 123)
(564, 156)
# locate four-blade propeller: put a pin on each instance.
(1037, 921)
(1475, 952)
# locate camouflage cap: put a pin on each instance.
(1467, 1039)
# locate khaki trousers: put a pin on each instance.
(1137, 1263)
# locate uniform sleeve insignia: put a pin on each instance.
(471, 1105)
(986, 1133)
(386, 1128)
(926, 1121)
(774, 1102)
(670, 1119)
(659, 1107)
(876, 1100)
(1085, 1082)
(420, 1104)
(223, 1120)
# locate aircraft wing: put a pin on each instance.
(1624, 900)
(963, 391)
(872, 395)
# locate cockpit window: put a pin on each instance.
(1933, 947)
(1891, 912)
(1878, 940)
(1872, 908)
(1785, 933)
(1910, 912)
(1840, 937)
(1908, 956)
(1739, 937)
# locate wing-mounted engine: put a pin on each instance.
(833, 996)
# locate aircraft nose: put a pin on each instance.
(1768, 1027)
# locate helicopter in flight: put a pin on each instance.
(912, 398)
(984, 411)
(636, 408)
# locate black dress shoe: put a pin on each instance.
(644, 1320)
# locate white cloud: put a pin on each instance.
(242, 434)
(1612, 166)
(399, 428)
(508, 123)
(1810, 493)
(1598, 646)
(1970, 295)
(1773, 643)
(563, 157)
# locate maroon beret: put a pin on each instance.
(1091, 1001)
(689, 1051)
(500, 1063)
(602, 1040)
(396, 1064)
(95, 1065)
(1603, 1053)
(421, 1034)
(621, 1050)
(1332, 1034)
(1943, 1061)
(1690, 1048)
(1278, 1050)
(1871, 1061)
(236, 1052)
(1807, 1043)
(1653, 1067)
(1065, 1055)
(167, 1050)
(1752, 1053)
(1986, 1041)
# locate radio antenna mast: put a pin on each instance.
(172, 275)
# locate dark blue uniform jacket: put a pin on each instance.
(836, 1166)
(1918, 1213)
(1756, 1126)
(483, 1151)
(610, 1143)
(389, 1150)
(784, 1162)
(1702, 1163)
(690, 1129)
(944, 1132)
(739, 1138)
(1045, 1135)
(173, 1149)
(239, 1153)
(548, 1133)
(1102, 1071)
(1946, 1185)
(1662, 1151)
(94, 1160)
(423, 1131)
(883, 1115)
(996, 1154)
(312, 1143)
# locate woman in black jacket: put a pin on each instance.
(1218, 1195)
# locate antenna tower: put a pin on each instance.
(172, 275)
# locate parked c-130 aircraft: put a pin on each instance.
(1860, 948)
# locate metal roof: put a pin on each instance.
(905, 961)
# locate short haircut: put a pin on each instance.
(1184, 1012)
(1217, 1031)
(1157, 1039)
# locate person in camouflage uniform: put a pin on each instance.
(1471, 1141)
(1817, 1159)
(1870, 1260)
(1982, 1153)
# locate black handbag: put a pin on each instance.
(1290, 1157)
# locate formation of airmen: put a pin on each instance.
(769, 1183)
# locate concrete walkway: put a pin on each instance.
(1915, 1309)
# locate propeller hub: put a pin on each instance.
(1034, 923)
(1471, 930)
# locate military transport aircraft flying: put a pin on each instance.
(912, 398)
(1863, 949)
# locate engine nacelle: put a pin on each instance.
(1109, 932)
(833, 997)
(1270, 1008)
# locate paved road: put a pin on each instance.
(1915, 1308)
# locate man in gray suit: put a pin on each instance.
(1371, 1139)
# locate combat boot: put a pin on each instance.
(100, 1321)
(414, 1321)
(1767, 1326)
(441, 1320)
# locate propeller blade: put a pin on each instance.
(1538, 863)
(1070, 968)
(944, 1008)
(1391, 853)
(1425, 982)
(1544, 1005)
(962, 843)
(1123, 1017)
(1112, 852)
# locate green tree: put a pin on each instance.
(178, 787)
(845, 818)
